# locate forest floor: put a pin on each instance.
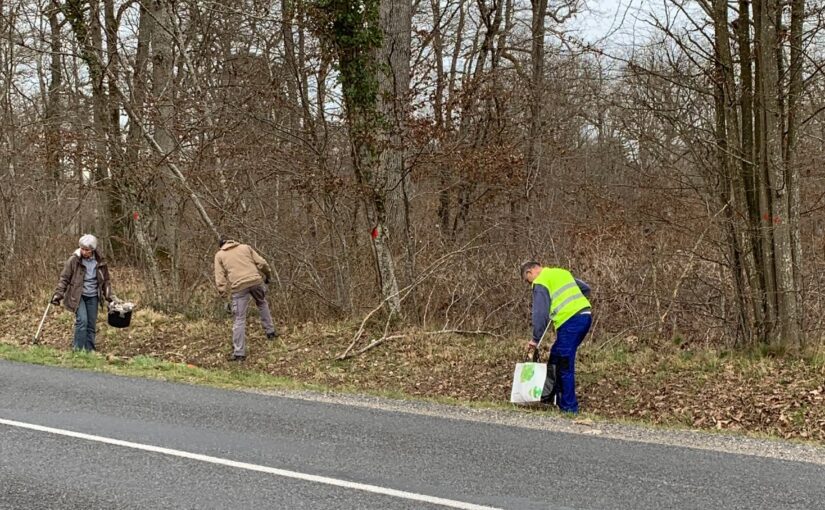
(664, 385)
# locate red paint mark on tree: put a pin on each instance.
(776, 220)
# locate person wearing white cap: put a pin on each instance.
(83, 286)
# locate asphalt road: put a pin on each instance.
(196, 447)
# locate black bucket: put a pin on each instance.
(119, 319)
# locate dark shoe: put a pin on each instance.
(237, 357)
(270, 336)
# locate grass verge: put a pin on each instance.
(149, 367)
(664, 385)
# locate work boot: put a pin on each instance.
(237, 357)
(270, 336)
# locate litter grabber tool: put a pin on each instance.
(533, 353)
(40, 327)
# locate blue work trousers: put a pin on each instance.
(563, 354)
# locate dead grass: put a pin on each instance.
(665, 385)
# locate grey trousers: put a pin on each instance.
(240, 302)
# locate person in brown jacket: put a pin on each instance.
(242, 273)
(83, 285)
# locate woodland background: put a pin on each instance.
(407, 156)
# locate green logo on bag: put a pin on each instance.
(527, 373)
(535, 392)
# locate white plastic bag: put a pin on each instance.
(528, 383)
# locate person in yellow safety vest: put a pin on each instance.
(559, 298)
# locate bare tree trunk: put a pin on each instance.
(795, 90)
(393, 100)
(162, 94)
(54, 110)
(438, 51)
(445, 180)
(102, 182)
(116, 212)
(534, 138)
(357, 40)
(77, 123)
(133, 152)
(395, 19)
(439, 115)
(90, 39)
(727, 147)
(761, 136)
(291, 64)
(772, 161)
(751, 179)
(8, 126)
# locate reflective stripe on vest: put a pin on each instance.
(566, 299)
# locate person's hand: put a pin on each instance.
(532, 351)
(55, 300)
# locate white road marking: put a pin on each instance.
(253, 467)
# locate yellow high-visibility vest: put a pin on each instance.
(566, 299)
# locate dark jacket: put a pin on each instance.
(70, 284)
(541, 308)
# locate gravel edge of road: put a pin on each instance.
(549, 421)
(553, 422)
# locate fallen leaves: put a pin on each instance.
(782, 397)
